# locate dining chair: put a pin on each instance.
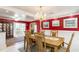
(39, 33)
(67, 49)
(25, 41)
(54, 33)
(28, 42)
(40, 44)
(42, 33)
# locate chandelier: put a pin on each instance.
(40, 14)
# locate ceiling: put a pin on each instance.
(47, 9)
(27, 13)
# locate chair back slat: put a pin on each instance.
(54, 33)
(40, 45)
(70, 42)
(29, 41)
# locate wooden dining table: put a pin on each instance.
(53, 41)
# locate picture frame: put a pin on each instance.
(56, 23)
(70, 23)
(45, 24)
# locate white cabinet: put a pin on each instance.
(2, 40)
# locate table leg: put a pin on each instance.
(55, 49)
(25, 45)
(63, 44)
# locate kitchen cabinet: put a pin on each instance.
(8, 28)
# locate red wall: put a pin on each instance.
(61, 23)
(52, 27)
(48, 20)
(27, 26)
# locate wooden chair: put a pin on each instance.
(36, 32)
(25, 41)
(54, 33)
(28, 42)
(40, 44)
(42, 33)
(63, 49)
(39, 33)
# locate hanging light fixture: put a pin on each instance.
(40, 14)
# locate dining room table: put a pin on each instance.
(53, 41)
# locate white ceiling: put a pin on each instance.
(27, 13)
(47, 9)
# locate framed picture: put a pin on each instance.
(70, 23)
(45, 24)
(56, 23)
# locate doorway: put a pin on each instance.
(33, 28)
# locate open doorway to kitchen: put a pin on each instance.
(18, 34)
